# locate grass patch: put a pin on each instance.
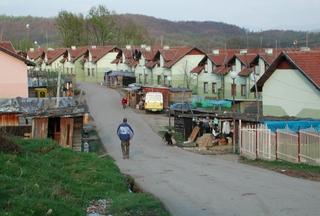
(291, 169)
(45, 176)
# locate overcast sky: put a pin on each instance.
(252, 14)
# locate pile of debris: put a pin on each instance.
(207, 144)
(98, 207)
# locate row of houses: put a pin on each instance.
(220, 74)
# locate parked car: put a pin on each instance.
(153, 101)
(134, 85)
(179, 107)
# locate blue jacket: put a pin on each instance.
(125, 132)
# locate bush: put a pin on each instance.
(6, 146)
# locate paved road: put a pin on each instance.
(197, 185)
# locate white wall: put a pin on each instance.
(291, 91)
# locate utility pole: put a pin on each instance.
(161, 40)
(58, 88)
(307, 42)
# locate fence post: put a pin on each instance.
(240, 135)
(256, 141)
(276, 147)
(299, 146)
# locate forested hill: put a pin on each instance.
(201, 34)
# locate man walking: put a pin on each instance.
(125, 134)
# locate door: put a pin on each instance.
(40, 128)
(66, 132)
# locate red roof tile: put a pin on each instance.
(7, 45)
(98, 52)
(222, 70)
(197, 69)
(53, 55)
(245, 72)
(173, 55)
(35, 54)
(308, 63)
(151, 64)
(246, 59)
(220, 59)
(77, 53)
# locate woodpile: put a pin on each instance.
(205, 142)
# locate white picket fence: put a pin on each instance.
(259, 142)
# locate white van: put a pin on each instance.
(153, 101)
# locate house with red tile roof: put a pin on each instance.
(210, 71)
(172, 66)
(147, 60)
(98, 61)
(74, 62)
(37, 56)
(14, 72)
(54, 59)
(291, 85)
(239, 64)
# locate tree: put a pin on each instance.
(100, 25)
(71, 28)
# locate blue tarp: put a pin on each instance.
(294, 126)
(206, 103)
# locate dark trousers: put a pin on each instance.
(125, 148)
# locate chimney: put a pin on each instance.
(269, 51)
(243, 51)
(73, 47)
(304, 49)
(31, 49)
(128, 47)
(166, 47)
(216, 51)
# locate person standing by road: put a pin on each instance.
(124, 102)
(125, 134)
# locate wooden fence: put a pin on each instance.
(260, 142)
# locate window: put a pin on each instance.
(165, 78)
(140, 78)
(214, 88)
(146, 78)
(92, 72)
(88, 71)
(243, 90)
(71, 70)
(205, 87)
(67, 70)
(233, 89)
(159, 79)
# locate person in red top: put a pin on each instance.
(124, 102)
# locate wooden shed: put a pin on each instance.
(45, 120)
(119, 79)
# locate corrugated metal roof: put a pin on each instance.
(68, 106)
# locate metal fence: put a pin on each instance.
(260, 142)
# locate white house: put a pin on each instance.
(291, 85)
